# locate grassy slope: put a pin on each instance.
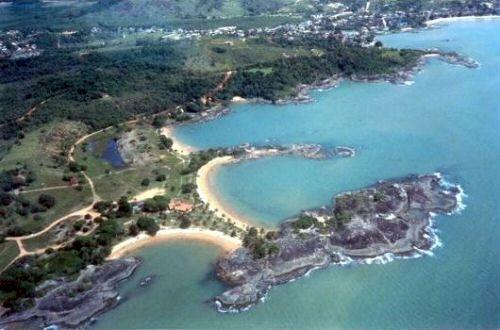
(8, 251)
(32, 151)
(186, 13)
(111, 184)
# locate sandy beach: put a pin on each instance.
(238, 99)
(458, 19)
(226, 242)
(207, 192)
(178, 146)
(150, 193)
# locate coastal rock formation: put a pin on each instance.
(74, 304)
(310, 151)
(389, 218)
(404, 76)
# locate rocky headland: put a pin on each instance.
(391, 218)
(310, 151)
(73, 304)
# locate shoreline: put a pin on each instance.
(209, 196)
(459, 19)
(217, 238)
(178, 146)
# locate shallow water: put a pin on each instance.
(447, 121)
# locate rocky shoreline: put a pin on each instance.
(391, 218)
(302, 93)
(74, 304)
(310, 151)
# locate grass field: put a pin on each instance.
(39, 149)
(112, 183)
(227, 53)
(67, 200)
(8, 251)
(52, 236)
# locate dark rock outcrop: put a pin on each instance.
(392, 217)
(74, 304)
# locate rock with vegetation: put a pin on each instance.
(72, 304)
(391, 218)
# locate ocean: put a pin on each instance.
(447, 120)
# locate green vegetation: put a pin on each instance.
(259, 245)
(156, 204)
(109, 72)
(304, 222)
(27, 212)
(186, 14)
(8, 251)
(62, 233)
(18, 283)
(148, 224)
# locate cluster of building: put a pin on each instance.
(358, 22)
(15, 45)
(358, 25)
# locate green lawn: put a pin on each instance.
(111, 183)
(50, 237)
(67, 200)
(34, 151)
(8, 251)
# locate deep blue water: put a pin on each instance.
(112, 155)
(447, 121)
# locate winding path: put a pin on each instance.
(78, 213)
(95, 197)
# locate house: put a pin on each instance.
(180, 205)
(73, 181)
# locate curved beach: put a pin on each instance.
(459, 19)
(178, 146)
(225, 242)
(207, 192)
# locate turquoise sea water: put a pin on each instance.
(447, 121)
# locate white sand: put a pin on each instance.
(150, 193)
(238, 99)
(458, 19)
(226, 242)
(207, 192)
(178, 146)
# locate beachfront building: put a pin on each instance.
(180, 205)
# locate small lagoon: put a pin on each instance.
(108, 151)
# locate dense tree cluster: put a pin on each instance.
(147, 224)
(284, 75)
(15, 206)
(259, 245)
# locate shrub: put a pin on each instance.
(78, 225)
(188, 188)
(148, 224)
(166, 142)
(133, 230)
(161, 177)
(47, 200)
(185, 223)
(304, 222)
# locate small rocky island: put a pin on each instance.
(390, 218)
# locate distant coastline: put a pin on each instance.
(459, 19)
